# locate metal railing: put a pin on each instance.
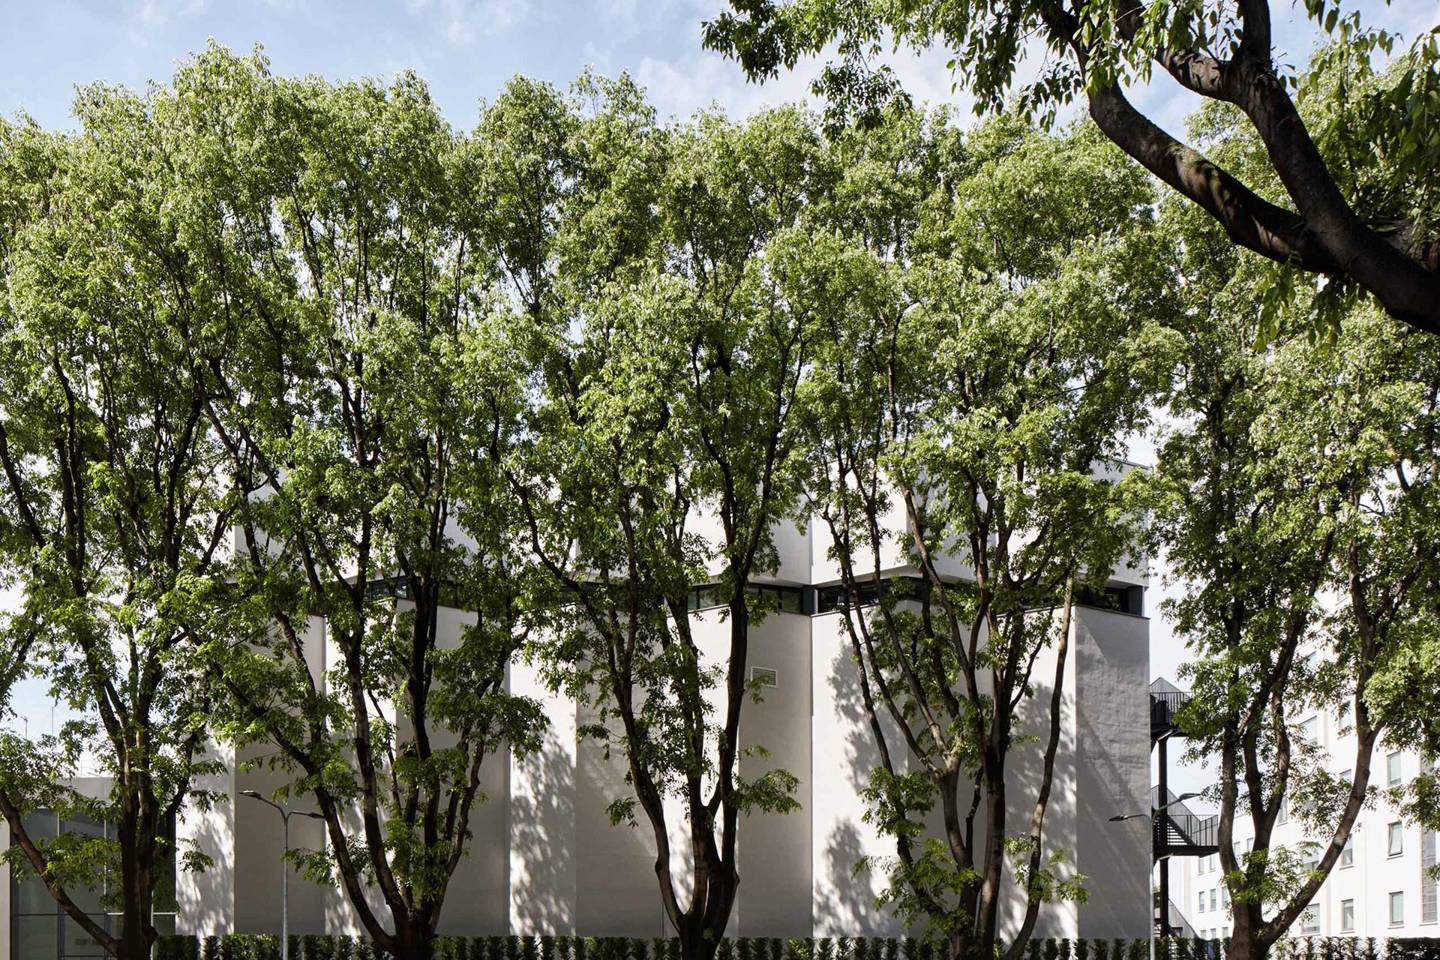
(1163, 707)
(1185, 830)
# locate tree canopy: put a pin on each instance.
(999, 333)
(1318, 205)
(318, 416)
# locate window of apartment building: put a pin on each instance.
(1396, 839)
(1310, 730)
(1310, 920)
(1347, 916)
(785, 599)
(1212, 898)
(1224, 896)
(1397, 908)
(1428, 853)
(1392, 769)
(1347, 852)
(1284, 815)
(40, 929)
(1343, 713)
(1202, 901)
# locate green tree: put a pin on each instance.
(665, 452)
(1315, 209)
(993, 337)
(114, 511)
(366, 401)
(1298, 489)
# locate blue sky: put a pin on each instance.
(466, 50)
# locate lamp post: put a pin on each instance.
(284, 867)
(1164, 861)
(1120, 817)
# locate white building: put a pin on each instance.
(1382, 885)
(544, 858)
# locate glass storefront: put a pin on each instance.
(40, 930)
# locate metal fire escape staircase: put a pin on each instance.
(1175, 831)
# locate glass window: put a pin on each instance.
(31, 895)
(1396, 835)
(1212, 898)
(1347, 916)
(1284, 815)
(1347, 852)
(785, 599)
(1309, 730)
(1224, 896)
(1397, 908)
(1202, 901)
(39, 929)
(78, 942)
(1310, 919)
(86, 898)
(1392, 769)
(36, 935)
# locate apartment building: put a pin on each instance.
(1383, 884)
(545, 858)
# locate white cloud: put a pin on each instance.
(462, 22)
(150, 14)
(680, 86)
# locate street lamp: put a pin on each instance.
(284, 867)
(1164, 861)
(1119, 817)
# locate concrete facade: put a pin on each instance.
(545, 859)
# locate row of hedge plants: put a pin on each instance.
(242, 946)
(1309, 948)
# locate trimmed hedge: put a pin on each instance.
(1311, 948)
(244, 946)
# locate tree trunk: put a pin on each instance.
(134, 942)
(1245, 943)
(964, 945)
(413, 941)
(697, 941)
(137, 888)
(987, 908)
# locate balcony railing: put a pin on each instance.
(1163, 707)
(1185, 834)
